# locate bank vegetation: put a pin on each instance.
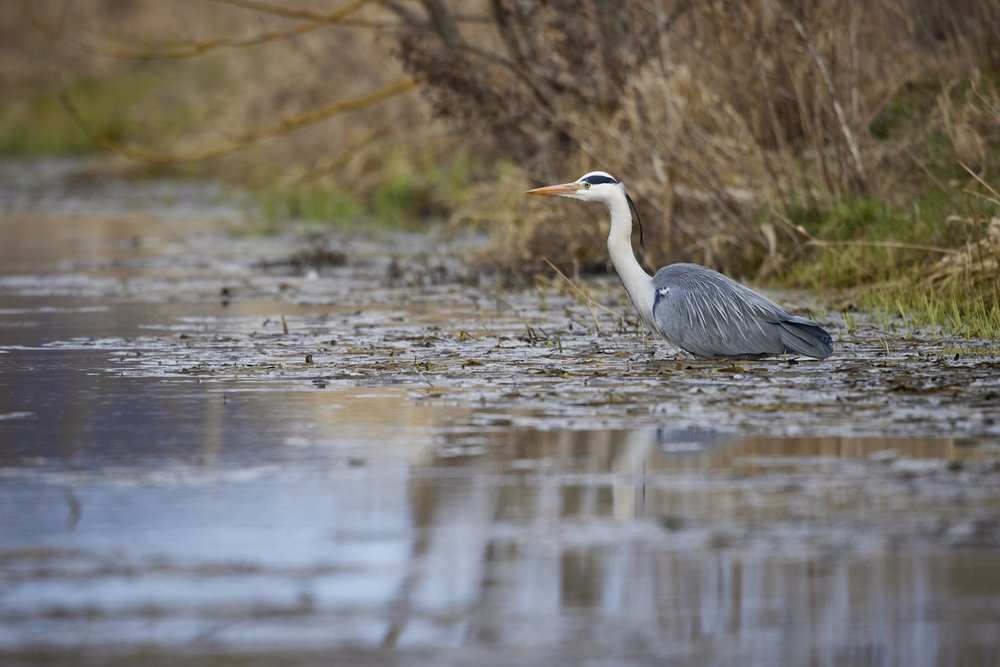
(829, 145)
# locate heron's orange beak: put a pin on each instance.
(550, 190)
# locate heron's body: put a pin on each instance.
(693, 307)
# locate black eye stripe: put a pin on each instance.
(596, 179)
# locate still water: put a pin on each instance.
(169, 515)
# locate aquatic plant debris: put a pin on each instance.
(564, 366)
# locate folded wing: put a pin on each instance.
(709, 315)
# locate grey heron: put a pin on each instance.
(695, 308)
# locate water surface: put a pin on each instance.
(209, 453)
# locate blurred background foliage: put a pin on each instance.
(823, 144)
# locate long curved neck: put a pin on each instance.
(638, 284)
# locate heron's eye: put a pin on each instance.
(586, 185)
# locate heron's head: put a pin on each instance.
(594, 186)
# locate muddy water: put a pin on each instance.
(212, 447)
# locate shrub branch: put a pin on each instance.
(184, 50)
(239, 141)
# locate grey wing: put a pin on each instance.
(705, 313)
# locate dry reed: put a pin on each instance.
(710, 112)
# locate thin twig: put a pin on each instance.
(183, 50)
(591, 303)
(954, 334)
(926, 170)
(882, 244)
(980, 179)
(281, 10)
(239, 141)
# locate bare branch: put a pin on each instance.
(276, 10)
(895, 245)
(182, 50)
(442, 22)
(242, 140)
(401, 11)
(408, 16)
(680, 9)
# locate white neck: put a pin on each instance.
(638, 284)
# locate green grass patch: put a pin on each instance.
(407, 195)
(35, 123)
(401, 197)
(855, 223)
(145, 102)
(892, 281)
(912, 104)
(410, 193)
(955, 312)
(883, 247)
(309, 203)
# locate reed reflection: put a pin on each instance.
(660, 538)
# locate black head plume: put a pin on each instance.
(638, 219)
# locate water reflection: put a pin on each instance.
(579, 548)
(260, 526)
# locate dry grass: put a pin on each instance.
(731, 110)
(976, 265)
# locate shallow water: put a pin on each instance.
(209, 453)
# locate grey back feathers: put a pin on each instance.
(709, 315)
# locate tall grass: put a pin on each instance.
(823, 144)
(954, 312)
(713, 112)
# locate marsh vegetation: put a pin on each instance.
(846, 148)
(291, 372)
